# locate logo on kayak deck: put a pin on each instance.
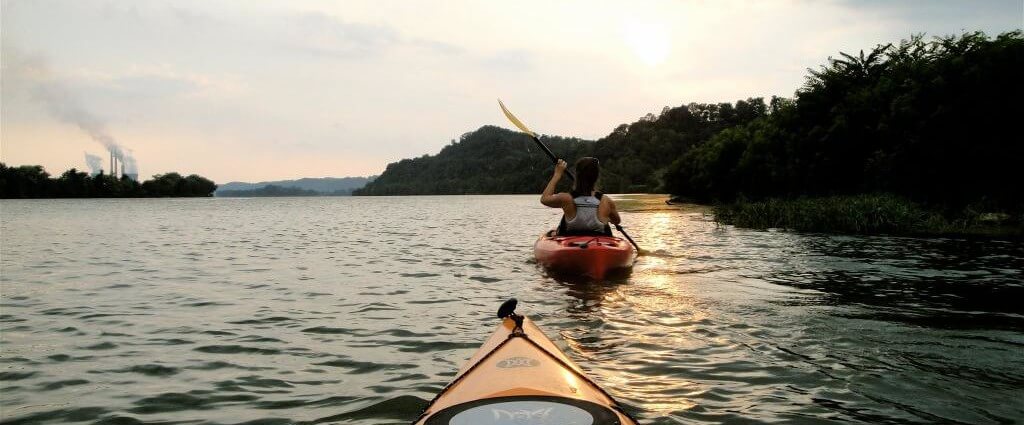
(513, 362)
(521, 415)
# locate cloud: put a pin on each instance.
(225, 84)
(157, 83)
(943, 17)
(320, 34)
(194, 18)
(511, 60)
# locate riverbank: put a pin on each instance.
(867, 214)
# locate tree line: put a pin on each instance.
(494, 160)
(932, 120)
(32, 181)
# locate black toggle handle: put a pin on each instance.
(508, 308)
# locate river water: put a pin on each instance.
(358, 310)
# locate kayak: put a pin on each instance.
(593, 256)
(518, 376)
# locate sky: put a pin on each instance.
(267, 90)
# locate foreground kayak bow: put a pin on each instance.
(519, 377)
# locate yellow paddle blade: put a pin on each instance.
(515, 120)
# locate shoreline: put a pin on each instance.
(867, 215)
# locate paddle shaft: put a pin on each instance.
(551, 155)
(623, 231)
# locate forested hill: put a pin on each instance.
(493, 160)
(490, 160)
(934, 121)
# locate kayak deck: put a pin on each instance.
(518, 376)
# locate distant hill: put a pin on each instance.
(490, 160)
(634, 157)
(268, 191)
(322, 186)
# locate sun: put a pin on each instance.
(649, 41)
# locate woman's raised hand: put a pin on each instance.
(560, 167)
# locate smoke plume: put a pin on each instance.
(130, 167)
(94, 162)
(62, 103)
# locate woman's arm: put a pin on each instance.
(607, 209)
(549, 197)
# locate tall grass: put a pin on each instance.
(862, 214)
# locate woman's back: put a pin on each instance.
(585, 210)
(586, 219)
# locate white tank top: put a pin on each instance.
(586, 215)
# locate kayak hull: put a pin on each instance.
(509, 379)
(592, 256)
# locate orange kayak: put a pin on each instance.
(520, 377)
(592, 256)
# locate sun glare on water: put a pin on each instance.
(649, 41)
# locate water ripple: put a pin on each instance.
(359, 310)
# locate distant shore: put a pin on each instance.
(33, 182)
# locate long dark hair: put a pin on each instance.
(588, 169)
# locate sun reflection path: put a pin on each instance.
(652, 319)
(656, 337)
(725, 325)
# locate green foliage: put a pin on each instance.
(634, 157)
(874, 213)
(846, 214)
(23, 181)
(489, 160)
(31, 181)
(495, 160)
(935, 122)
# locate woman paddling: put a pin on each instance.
(585, 210)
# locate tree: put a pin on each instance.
(31, 181)
(926, 120)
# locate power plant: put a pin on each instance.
(121, 165)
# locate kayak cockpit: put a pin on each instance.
(525, 410)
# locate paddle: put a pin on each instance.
(623, 231)
(551, 155)
(522, 127)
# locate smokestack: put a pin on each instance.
(111, 171)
